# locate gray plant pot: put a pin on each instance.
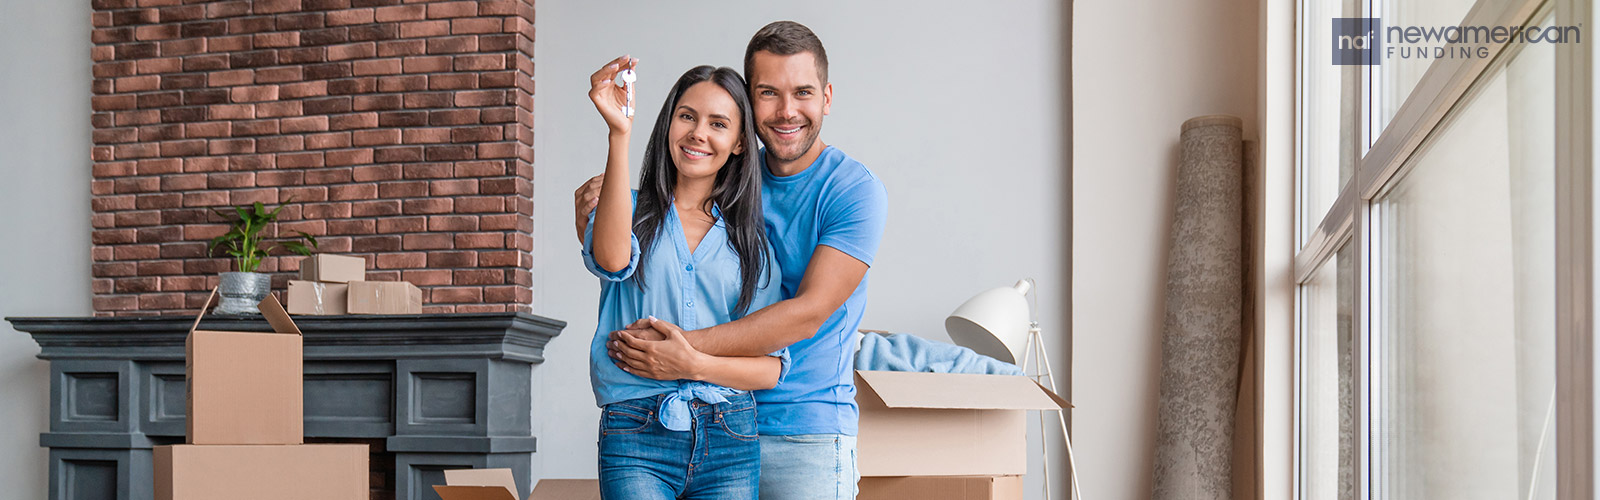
(242, 291)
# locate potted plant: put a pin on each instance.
(243, 289)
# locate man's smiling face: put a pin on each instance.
(790, 99)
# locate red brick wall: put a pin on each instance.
(401, 130)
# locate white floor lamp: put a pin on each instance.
(997, 323)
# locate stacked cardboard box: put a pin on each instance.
(245, 422)
(336, 284)
(945, 436)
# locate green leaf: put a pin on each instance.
(261, 210)
(297, 247)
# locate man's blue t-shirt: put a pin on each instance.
(835, 202)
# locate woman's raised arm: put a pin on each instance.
(613, 218)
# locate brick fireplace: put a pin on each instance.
(401, 131)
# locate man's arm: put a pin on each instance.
(849, 239)
(673, 359)
(584, 200)
(830, 278)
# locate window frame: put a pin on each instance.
(1384, 157)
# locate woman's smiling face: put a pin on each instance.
(705, 130)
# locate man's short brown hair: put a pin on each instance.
(786, 38)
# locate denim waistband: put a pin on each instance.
(675, 411)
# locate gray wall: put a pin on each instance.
(960, 108)
(44, 199)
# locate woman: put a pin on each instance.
(690, 247)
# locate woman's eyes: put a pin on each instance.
(689, 118)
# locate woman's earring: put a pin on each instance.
(625, 80)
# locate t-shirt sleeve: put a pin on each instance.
(588, 255)
(853, 220)
(783, 363)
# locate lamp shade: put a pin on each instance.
(993, 323)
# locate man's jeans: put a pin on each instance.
(808, 467)
(718, 458)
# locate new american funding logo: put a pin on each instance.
(1365, 41)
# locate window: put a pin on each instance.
(1446, 225)
(1327, 353)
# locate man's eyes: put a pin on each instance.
(801, 93)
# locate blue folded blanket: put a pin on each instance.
(910, 353)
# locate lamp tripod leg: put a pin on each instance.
(1034, 349)
(1072, 462)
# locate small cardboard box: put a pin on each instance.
(498, 484)
(245, 387)
(946, 424)
(384, 297)
(333, 268)
(941, 488)
(300, 472)
(316, 298)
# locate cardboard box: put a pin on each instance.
(946, 424)
(300, 472)
(566, 489)
(333, 268)
(478, 484)
(941, 488)
(498, 484)
(384, 297)
(316, 298)
(245, 387)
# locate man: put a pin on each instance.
(825, 215)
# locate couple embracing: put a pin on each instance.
(732, 283)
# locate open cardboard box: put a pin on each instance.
(946, 424)
(498, 484)
(246, 387)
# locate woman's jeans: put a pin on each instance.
(718, 458)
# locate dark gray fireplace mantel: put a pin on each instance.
(439, 391)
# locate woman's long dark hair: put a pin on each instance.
(737, 192)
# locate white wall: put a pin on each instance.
(1140, 68)
(44, 212)
(960, 108)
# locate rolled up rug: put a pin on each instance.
(1203, 324)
